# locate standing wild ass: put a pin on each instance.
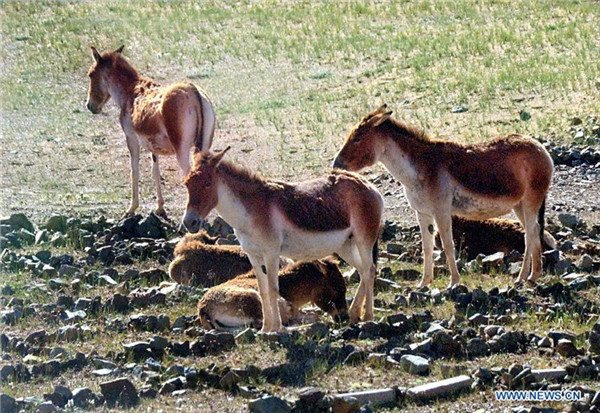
(165, 120)
(338, 213)
(443, 178)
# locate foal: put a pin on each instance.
(443, 178)
(166, 120)
(338, 213)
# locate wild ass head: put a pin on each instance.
(98, 93)
(201, 185)
(364, 143)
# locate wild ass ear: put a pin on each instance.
(382, 118)
(219, 156)
(120, 49)
(96, 55)
(381, 108)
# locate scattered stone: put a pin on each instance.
(56, 223)
(269, 404)
(345, 404)
(414, 364)
(46, 407)
(477, 347)
(566, 348)
(317, 330)
(585, 263)
(121, 391)
(18, 221)
(9, 404)
(172, 385)
(568, 220)
(83, 397)
(440, 388)
(371, 397)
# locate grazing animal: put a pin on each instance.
(166, 120)
(236, 303)
(338, 213)
(200, 263)
(490, 236)
(443, 178)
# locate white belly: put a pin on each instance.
(468, 205)
(307, 245)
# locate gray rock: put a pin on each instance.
(594, 341)
(440, 388)
(7, 372)
(121, 391)
(83, 397)
(414, 364)
(69, 333)
(229, 380)
(9, 404)
(269, 404)
(46, 407)
(566, 348)
(585, 263)
(56, 223)
(568, 220)
(158, 343)
(477, 347)
(18, 221)
(172, 385)
(317, 330)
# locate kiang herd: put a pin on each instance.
(318, 221)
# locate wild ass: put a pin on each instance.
(490, 236)
(166, 120)
(338, 213)
(236, 303)
(443, 178)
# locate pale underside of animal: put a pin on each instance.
(237, 304)
(473, 237)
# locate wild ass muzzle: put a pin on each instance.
(165, 120)
(338, 213)
(443, 178)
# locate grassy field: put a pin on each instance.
(288, 81)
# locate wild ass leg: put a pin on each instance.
(160, 203)
(444, 224)
(525, 267)
(263, 291)
(350, 254)
(427, 230)
(272, 264)
(368, 274)
(134, 155)
(534, 243)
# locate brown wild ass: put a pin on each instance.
(236, 303)
(490, 236)
(338, 213)
(166, 120)
(443, 178)
(201, 262)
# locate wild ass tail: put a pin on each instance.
(204, 135)
(541, 213)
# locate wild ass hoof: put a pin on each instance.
(128, 214)
(160, 212)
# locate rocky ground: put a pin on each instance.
(91, 321)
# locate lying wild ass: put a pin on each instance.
(166, 120)
(490, 236)
(338, 213)
(201, 262)
(443, 178)
(236, 303)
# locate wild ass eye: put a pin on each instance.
(356, 139)
(207, 184)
